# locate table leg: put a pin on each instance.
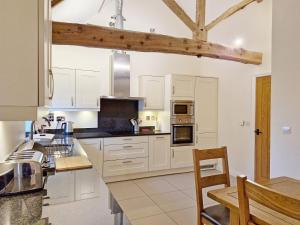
(234, 218)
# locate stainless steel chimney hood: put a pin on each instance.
(120, 77)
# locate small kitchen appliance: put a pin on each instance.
(21, 173)
(182, 108)
(67, 127)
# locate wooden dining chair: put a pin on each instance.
(272, 199)
(218, 214)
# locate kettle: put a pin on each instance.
(67, 127)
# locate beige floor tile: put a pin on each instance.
(161, 219)
(185, 216)
(141, 207)
(181, 181)
(173, 201)
(155, 185)
(125, 190)
(206, 200)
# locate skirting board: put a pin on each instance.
(147, 174)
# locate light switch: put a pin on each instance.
(286, 130)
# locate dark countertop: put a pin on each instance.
(22, 209)
(100, 134)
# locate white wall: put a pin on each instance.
(285, 149)
(12, 134)
(253, 25)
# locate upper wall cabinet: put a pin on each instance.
(182, 86)
(152, 88)
(76, 89)
(88, 89)
(64, 88)
(25, 45)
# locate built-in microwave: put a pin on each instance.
(182, 108)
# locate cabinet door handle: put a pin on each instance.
(145, 103)
(127, 139)
(160, 137)
(127, 146)
(51, 85)
(173, 89)
(126, 162)
(173, 153)
(72, 101)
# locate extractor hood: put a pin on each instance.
(120, 63)
(120, 77)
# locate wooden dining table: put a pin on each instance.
(259, 213)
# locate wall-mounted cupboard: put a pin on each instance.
(152, 88)
(25, 58)
(76, 89)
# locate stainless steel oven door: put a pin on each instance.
(182, 135)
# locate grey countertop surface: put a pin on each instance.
(22, 210)
(26, 209)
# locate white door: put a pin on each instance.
(64, 88)
(93, 149)
(87, 184)
(183, 86)
(159, 152)
(153, 89)
(88, 89)
(206, 112)
(61, 188)
(181, 157)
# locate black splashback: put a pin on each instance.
(115, 115)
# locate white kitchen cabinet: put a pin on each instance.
(124, 167)
(126, 151)
(87, 184)
(181, 157)
(93, 148)
(76, 89)
(159, 152)
(88, 89)
(183, 86)
(24, 65)
(64, 88)
(206, 112)
(60, 188)
(152, 88)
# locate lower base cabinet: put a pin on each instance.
(72, 186)
(87, 184)
(181, 157)
(60, 188)
(124, 167)
(159, 152)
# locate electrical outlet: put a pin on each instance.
(50, 117)
(60, 118)
(148, 118)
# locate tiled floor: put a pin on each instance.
(163, 200)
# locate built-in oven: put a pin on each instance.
(182, 108)
(182, 130)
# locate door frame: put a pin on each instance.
(253, 122)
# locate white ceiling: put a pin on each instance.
(81, 11)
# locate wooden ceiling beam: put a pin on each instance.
(232, 10)
(55, 2)
(111, 38)
(200, 33)
(180, 13)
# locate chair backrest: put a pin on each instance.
(213, 180)
(272, 199)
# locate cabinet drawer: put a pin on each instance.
(123, 167)
(125, 140)
(113, 152)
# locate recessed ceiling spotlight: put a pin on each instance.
(238, 42)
